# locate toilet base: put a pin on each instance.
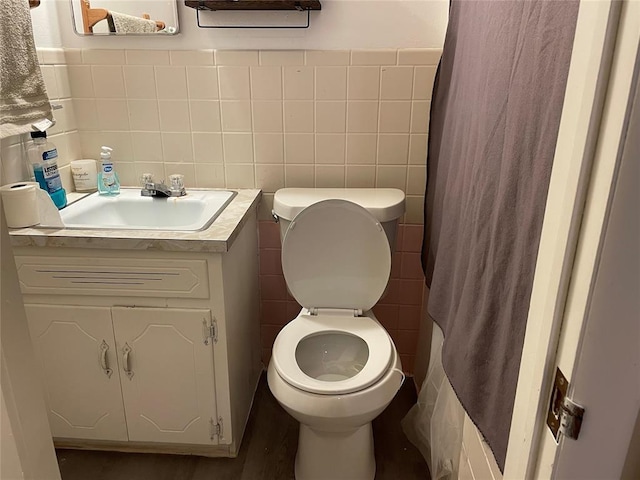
(335, 455)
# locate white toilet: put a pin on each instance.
(334, 368)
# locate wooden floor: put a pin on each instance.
(267, 452)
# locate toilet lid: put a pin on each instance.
(335, 254)
(331, 355)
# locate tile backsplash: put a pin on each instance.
(256, 119)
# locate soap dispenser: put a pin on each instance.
(108, 181)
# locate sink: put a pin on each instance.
(129, 210)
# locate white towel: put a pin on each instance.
(129, 24)
(23, 95)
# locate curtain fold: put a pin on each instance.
(494, 122)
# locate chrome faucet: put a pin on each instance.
(153, 189)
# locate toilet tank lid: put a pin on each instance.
(385, 204)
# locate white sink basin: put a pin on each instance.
(129, 210)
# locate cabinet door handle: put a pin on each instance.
(104, 361)
(125, 361)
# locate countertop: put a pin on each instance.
(218, 238)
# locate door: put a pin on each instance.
(76, 353)
(167, 374)
(593, 129)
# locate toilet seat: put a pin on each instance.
(335, 254)
(336, 261)
(307, 326)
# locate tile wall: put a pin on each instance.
(266, 119)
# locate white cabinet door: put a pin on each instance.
(167, 374)
(76, 352)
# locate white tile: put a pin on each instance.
(281, 57)
(143, 115)
(267, 116)
(393, 149)
(361, 148)
(298, 117)
(108, 81)
(147, 57)
(147, 146)
(330, 176)
(127, 175)
(330, 117)
(391, 176)
(205, 116)
(191, 57)
(331, 83)
(362, 117)
(154, 168)
(298, 83)
(73, 56)
(419, 56)
(240, 176)
(81, 81)
(364, 83)
(202, 83)
(177, 148)
(373, 57)
(238, 147)
(420, 117)
(207, 147)
(266, 83)
(418, 149)
(270, 177)
(90, 143)
(75, 150)
(299, 176)
(171, 83)
(330, 148)
(52, 56)
(416, 180)
(423, 78)
(67, 115)
(237, 57)
(122, 146)
(236, 116)
(299, 147)
(86, 112)
(174, 116)
(361, 176)
(139, 81)
(62, 79)
(209, 175)
(396, 83)
(328, 57)
(265, 207)
(234, 83)
(102, 57)
(395, 117)
(112, 114)
(268, 148)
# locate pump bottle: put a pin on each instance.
(108, 181)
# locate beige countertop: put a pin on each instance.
(216, 238)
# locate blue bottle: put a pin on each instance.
(43, 157)
(108, 181)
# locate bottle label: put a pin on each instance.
(51, 177)
(107, 167)
(50, 154)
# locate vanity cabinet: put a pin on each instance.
(146, 350)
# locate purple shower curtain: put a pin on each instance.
(494, 123)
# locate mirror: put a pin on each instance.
(125, 17)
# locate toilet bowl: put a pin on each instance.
(334, 368)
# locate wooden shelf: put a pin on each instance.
(254, 4)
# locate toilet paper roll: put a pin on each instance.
(20, 204)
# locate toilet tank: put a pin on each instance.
(385, 204)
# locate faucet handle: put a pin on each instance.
(145, 179)
(176, 183)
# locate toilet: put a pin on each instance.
(334, 368)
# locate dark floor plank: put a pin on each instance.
(267, 453)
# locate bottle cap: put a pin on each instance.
(38, 134)
(105, 152)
